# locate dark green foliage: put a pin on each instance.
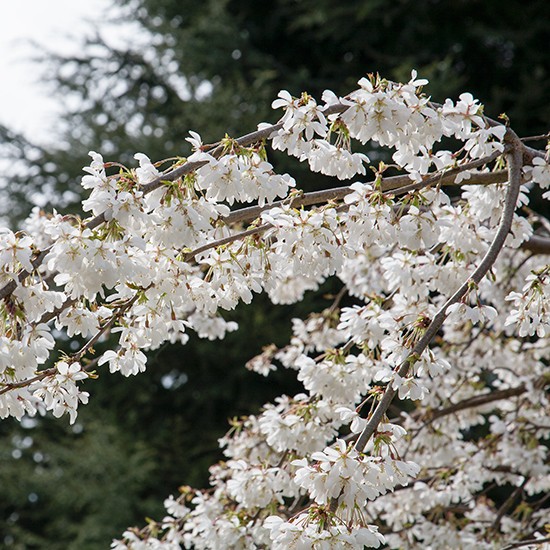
(72, 490)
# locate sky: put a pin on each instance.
(26, 105)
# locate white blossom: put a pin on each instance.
(149, 266)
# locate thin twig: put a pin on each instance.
(476, 401)
(227, 240)
(521, 543)
(536, 138)
(508, 503)
(77, 356)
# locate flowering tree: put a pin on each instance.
(447, 274)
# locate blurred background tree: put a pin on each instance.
(214, 67)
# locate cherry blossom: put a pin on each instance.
(425, 380)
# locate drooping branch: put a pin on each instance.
(77, 356)
(216, 151)
(515, 158)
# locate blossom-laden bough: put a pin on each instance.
(449, 312)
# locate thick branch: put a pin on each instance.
(537, 244)
(515, 158)
(392, 183)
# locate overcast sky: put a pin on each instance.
(25, 104)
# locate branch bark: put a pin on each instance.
(475, 401)
(515, 158)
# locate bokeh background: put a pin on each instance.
(137, 77)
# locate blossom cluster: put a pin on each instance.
(165, 252)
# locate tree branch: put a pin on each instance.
(521, 543)
(475, 401)
(392, 183)
(515, 158)
(189, 167)
(537, 244)
(77, 356)
(508, 503)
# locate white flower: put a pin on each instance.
(146, 171)
(540, 173)
(96, 173)
(195, 140)
(461, 311)
(408, 388)
(128, 362)
(15, 250)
